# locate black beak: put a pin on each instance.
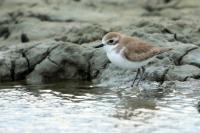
(98, 46)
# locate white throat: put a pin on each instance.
(109, 48)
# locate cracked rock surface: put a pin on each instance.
(47, 40)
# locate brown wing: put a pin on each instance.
(137, 50)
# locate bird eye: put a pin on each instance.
(110, 41)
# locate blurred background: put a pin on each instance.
(23, 20)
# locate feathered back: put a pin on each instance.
(135, 49)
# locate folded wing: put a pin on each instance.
(138, 50)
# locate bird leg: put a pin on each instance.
(138, 72)
(142, 75)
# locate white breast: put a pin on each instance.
(119, 60)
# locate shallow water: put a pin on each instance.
(80, 107)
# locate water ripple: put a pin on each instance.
(84, 108)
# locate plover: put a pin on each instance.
(130, 52)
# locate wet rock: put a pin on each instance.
(50, 61)
(74, 27)
(152, 5)
(180, 51)
(198, 106)
(98, 63)
(183, 72)
(157, 73)
(115, 76)
(185, 32)
(33, 56)
(34, 30)
(24, 38)
(19, 60)
(68, 61)
(192, 58)
(5, 70)
(4, 32)
(84, 34)
(64, 62)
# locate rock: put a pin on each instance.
(32, 56)
(5, 70)
(75, 32)
(192, 58)
(182, 72)
(115, 76)
(47, 40)
(198, 106)
(152, 5)
(98, 63)
(18, 61)
(68, 61)
(180, 51)
(84, 34)
(4, 32)
(157, 73)
(35, 30)
(64, 62)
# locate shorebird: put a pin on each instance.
(130, 52)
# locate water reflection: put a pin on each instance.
(71, 106)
